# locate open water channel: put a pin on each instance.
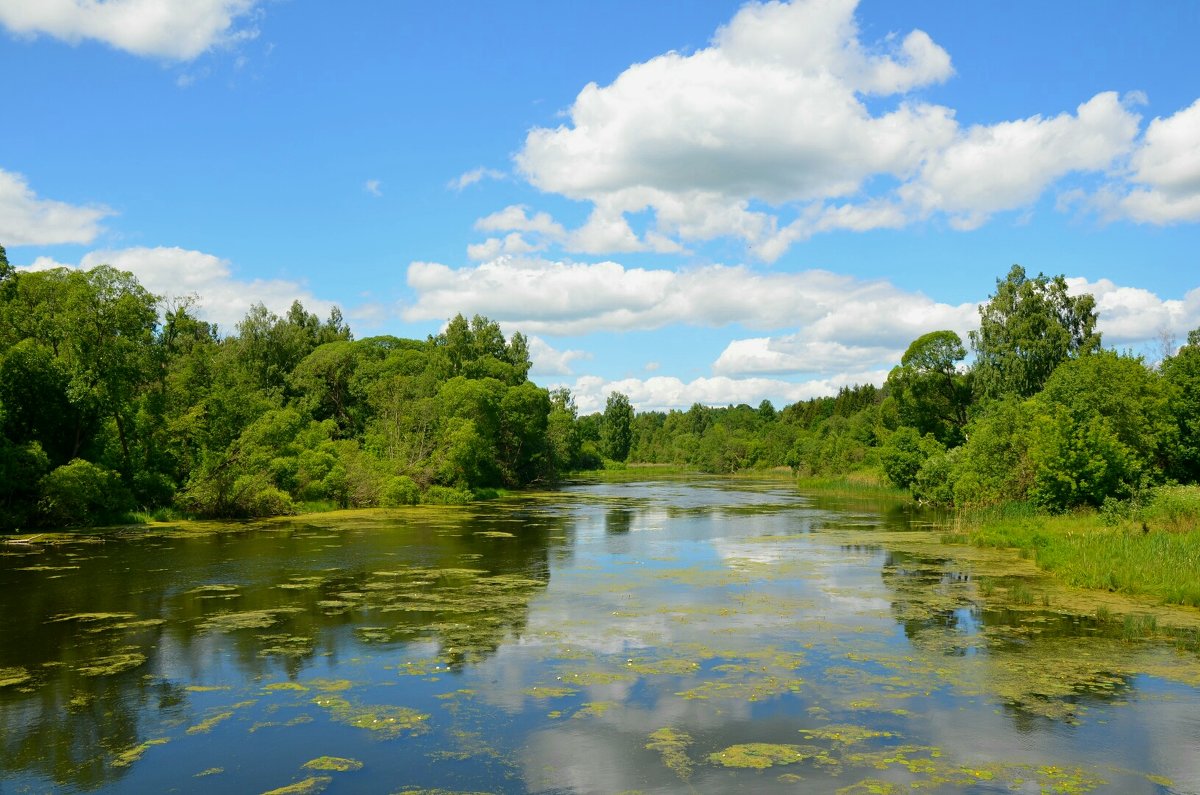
(676, 636)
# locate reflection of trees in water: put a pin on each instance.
(1031, 658)
(302, 591)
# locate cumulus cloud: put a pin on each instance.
(373, 187)
(579, 298)
(174, 29)
(765, 135)
(27, 220)
(1166, 171)
(1134, 317)
(177, 272)
(668, 392)
(548, 360)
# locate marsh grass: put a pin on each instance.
(862, 483)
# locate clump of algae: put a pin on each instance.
(339, 764)
(130, 755)
(206, 725)
(245, 619)
(112, 664)
(762, 755)
(384, 719)
(672, 746)
(844, 734)
(309, 786)
(10, 677)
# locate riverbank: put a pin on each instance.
(1150, 550)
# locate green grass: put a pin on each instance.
(863, 483)
(1155, 552)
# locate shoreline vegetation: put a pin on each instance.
(117, 406)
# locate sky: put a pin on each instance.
(685, 200)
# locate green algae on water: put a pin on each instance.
(112, 664)
(386, 720)
(206, 725)
(130, 755)
(309, 786)
(762, 755)
(9, 677)
(672, 746)
(339, 764)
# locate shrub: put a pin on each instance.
(82, 493)
(445, 495)
(400, 490)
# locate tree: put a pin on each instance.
(616, 429)
(931, 395)
(1027, 329)
(1181, 374)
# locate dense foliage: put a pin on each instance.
(112, 401)
(1043, 415)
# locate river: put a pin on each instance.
(686, 635)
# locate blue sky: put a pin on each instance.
(686, 201)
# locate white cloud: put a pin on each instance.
(1008, 165)
(548, 360)
(174, 29)
(373, 187)
(515, 217)
(177, 272)
(510, 244)
(666, 392)
(469, 178)
(1132, 316)
(791, 354)
(26, 220)
(1166, 170)
(765, 136)
(580, 298)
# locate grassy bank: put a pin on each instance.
(1151, 549)
(863, 483)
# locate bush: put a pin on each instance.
(905, 452)
(445, 495)
(267, 501)
(400, 490)
(935, 479)
(81, 493)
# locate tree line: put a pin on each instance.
(1043, 414)
(113, 401)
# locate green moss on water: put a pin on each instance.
(845, 734)
(205, 688)
(336, 763)
(207, 725)
(543, 691)
(276, 686)
(309, 786)
(759, 756)
(672, 744)
(130, 755)
(385, 720)
(212, 771)
(246, 619)
(111, 664)
(11, 677)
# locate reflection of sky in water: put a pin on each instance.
(734, 612)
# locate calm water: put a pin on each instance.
(687, 636)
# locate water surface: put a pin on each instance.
(679, 636)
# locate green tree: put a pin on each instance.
(931, 394)
(616, 429)
(1026, 329)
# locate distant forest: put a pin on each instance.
(115, 406)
